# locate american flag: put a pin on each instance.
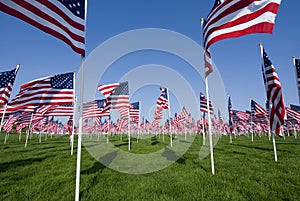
(120, 96)
(240, 115)
(293, 116)
(297, 68)
(93, 109)
(8, 123)
(295, 107)
(52, 90)
(274, 94)
(60, 110)
(162, 100)
(134, 111)
(107, 89)
(235, 18)
(7, 79)
(257, 110)
(63, 19)
(203, 104)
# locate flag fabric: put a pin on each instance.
(203, 104)
(93, 109)
(257, 110)
(52, 90)
(293, 115)
(235, 18)
(119, 97)
(162, 100)
(134, 111)
(297, 68)
(295, 107)
(274, 94)
(60, 110)
(62, 19)
(230, 114)
(107, 89)
(7, 79)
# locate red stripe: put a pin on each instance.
(52, 32)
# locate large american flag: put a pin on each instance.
(162, 100)
(64, 19)
(274, 94)
(7, 79)
(235, 18)
(52, 90)
(203, 104)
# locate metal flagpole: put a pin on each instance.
(270, 108)
(28, 131)
(297, 79)
(128, 122)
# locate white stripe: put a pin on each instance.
(46, 23)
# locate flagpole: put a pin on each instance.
(128, 122)
(209, 120)
(28, 131)
(294, 61)
(270, 108)
(139, 122)
(169, 114)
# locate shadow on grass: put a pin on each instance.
(122, 144)
(98, 165)
(255, 147)
(21, 163)
(170, 155)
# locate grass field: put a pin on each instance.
(245, 170)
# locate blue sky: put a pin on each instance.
(238, 60)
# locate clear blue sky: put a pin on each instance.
(238, 60)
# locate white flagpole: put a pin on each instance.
(128, 122)
(28, 131)
(297, 81)
(139, 123)
(270, 108)
(169, 114)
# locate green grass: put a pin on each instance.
(245, 170)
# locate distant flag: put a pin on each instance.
(162, 100)
(293, 115)
(230, 114)
(235, 18)
(134, 111)
(107, 89)
(295, 107)
(203, 104)
(297, 69)
(274, 94)
(52, 90)
(62, 19)
(93, 109)
(257, 110)
(7, 79)
(120, 96)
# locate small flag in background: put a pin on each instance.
(7, 79)
(62, 19)
(297, 68)
(257, 110)
(203, 104)
(52, 90)
(274, 94)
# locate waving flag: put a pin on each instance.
(134, 111)
(94, 109)
(62, 19)
(297, 69)
(7, 79)
(274, 94)
(162, 100)
(107, 89)
(52, 90)
(257, 110)
(235, 18)
(203, 104)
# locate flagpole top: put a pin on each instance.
(201, 19)
(260, 44)
(293, 57)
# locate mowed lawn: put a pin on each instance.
(245, 170)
